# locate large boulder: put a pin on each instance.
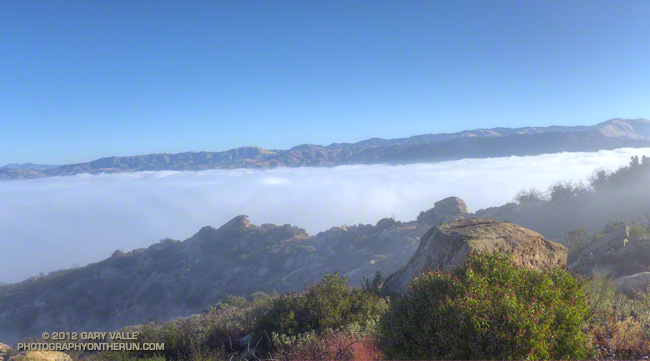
(451, 206)
(448, 244)
(446, 210)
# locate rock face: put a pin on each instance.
(449, 243)
(629, 284)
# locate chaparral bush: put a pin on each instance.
(341, 345)
(328, 304)
(620, 327)
(489, 308)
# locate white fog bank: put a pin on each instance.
(53, 223)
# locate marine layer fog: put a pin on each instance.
(60, 222)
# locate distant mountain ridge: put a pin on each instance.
(29, 166)
(480, 143)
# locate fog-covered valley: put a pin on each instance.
(62, 222)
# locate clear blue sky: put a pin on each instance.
(81, 80)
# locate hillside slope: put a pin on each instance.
(173, 278)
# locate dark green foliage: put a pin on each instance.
(530, 196)
(488, 308)
(373, 286)
(236, 301)
(567, 191)
(637, 168)
(328, 304)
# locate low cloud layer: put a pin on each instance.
(53, 223)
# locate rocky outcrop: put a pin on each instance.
(452, 206)
(610, 243)
(173, 278)
(614, 253)
(448, 244)
(629, 284)
(446, 210)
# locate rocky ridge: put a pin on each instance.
(173, 278)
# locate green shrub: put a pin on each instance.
(211, 335)
(373, 285)
(488, 308)
(328, 304)
(236, 301)
(530, 196)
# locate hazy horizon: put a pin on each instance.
(53, 223)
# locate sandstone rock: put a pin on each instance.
(449, 243)
(451, 206)
(631, 283)
(446, 210)
(41, 356)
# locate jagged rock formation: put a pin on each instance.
(448, 244)
(173, 278)
(481, 143)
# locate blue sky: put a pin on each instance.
(81, 80)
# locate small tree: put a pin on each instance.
(530, 196)
(488, 308)
(566, 191)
